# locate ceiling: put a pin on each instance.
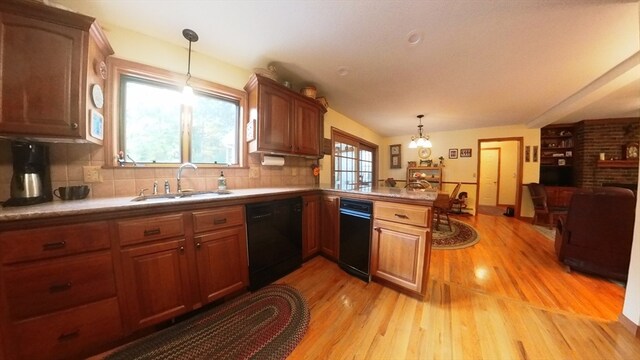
(464, 64)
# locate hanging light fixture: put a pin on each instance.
(187, 91)
(420, 140)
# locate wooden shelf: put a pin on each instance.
(617, 164)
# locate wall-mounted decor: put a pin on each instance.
(97, 124)
(453, 153)
(535, 153)
(394, 150)
(465, 152)
(527, 153)
(251, 130)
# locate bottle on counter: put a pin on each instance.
(222, 182)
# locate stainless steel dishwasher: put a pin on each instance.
(355, 237)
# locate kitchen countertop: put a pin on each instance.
(88, 206)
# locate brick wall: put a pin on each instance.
(608, 136)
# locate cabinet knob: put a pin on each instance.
(198, 245)
(74, 126)
(181, 249)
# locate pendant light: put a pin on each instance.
(187, 91)
(420, 140)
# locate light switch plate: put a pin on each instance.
(92, 174)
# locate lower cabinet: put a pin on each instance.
(185, 260)
(222, 263)
(58, 292)
(310, 226)
(330, 226)
(156, 282)
(401, 245)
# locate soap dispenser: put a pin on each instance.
(222, 182)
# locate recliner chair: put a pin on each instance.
(596, 234)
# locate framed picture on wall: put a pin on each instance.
(527, 153)
(395, 156)
(535, 153)
(453, 153)
(465, 152)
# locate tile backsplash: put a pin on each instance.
(67, 161)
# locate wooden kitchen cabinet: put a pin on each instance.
(310, 225)
(221, 252)
(286, 122)
(58, 291)
(401, 245)
(50, 64)
(156, 282)
(330, 226)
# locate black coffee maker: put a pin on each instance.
(31, 180)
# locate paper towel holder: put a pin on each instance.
(271, 160)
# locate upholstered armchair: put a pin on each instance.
(596, 234)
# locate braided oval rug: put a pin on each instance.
(267, 324)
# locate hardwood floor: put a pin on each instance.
(504, 298)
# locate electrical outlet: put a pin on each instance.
(92, 174)
(254, 173)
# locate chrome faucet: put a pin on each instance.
(189, 165)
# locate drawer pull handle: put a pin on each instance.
(70, 335)
(401, 216)
(219, 221)
(54, 245)
(60, 287)
(152, 232)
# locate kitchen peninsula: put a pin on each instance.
(121, 266)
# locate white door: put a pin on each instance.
(489, 172)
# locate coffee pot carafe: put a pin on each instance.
(31, 181)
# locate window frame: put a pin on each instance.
(119, 67)
(337, 134)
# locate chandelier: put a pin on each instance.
(420, 140)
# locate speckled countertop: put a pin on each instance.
(89, 206)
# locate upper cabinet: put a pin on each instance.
(52, 75)
(282, 121)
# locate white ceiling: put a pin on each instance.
(479, 63)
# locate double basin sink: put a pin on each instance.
(181, 195)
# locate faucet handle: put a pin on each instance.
(142, 191)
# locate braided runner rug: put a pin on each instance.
(267, 324)
(460, 236)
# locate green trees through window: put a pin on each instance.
(156, 128)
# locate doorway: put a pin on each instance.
(500, 176)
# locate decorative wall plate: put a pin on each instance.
(101, 69)
(424, 153)
(97, 96)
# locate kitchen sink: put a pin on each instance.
(184, 194)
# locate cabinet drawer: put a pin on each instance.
(218, 218)
(68, 334)
(140, 230)
(401, 213)
(48, 242)
(52, 285)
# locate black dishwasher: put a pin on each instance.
(274, 240)
(355, 237)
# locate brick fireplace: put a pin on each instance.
(608, 136)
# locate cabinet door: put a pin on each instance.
(310, 226)
(41, 67)
(308, 127)
(274, 120)
(156, 282)
(222, 262)
(398, 254)
(330, 226)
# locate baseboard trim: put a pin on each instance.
(629, 325)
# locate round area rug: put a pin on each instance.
(460, 236)
(267, 324)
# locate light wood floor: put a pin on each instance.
(504, 298)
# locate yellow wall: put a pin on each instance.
(144, 49)
(335, 119)
(463, 169)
